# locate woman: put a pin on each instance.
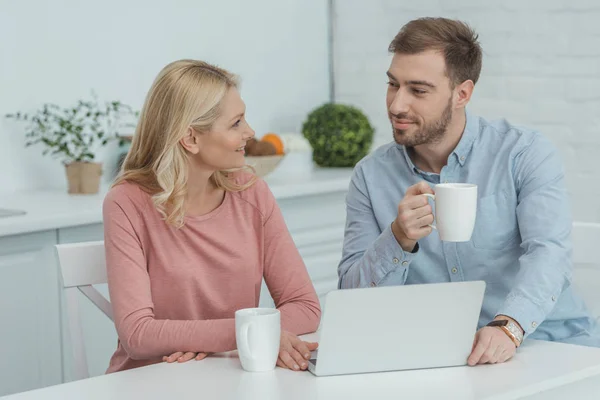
(189, 235)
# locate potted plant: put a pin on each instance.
(339, 134)
(74, 134)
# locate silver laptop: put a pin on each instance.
(397, 328)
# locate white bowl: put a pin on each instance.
(264, 165)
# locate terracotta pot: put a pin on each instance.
(84, 177)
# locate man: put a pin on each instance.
(521, 244)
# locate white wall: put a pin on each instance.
(541, 69)
(58, 51)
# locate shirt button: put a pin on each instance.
(395, 260)
(454, 270)
(372, 284)
(553, 298)
(462, 158)
(534, 324)
(405, 263)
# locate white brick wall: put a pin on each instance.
(541, 69)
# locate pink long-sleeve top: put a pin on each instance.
(178, 289)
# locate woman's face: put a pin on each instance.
(223, 146)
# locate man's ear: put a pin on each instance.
(190, 141)
(463, 93)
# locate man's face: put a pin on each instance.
(419, 98)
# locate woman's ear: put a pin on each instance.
(190, 141)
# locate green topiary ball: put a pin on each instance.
(339, 134)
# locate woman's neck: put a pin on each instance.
(203, 195)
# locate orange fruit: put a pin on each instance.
(275, 140)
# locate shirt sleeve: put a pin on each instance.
(369, 254)
(141, 334)
(285, 274)
(544, 217)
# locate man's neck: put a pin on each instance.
(433, 157)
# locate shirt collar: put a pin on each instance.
(469, 135)
(408, 160)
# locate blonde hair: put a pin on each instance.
(186, 93)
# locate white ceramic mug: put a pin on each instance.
(258, 333)
(455, 210)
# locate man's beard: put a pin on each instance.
(427, 134)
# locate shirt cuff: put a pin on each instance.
(390, 255)
(528, 314)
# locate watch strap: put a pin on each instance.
(511, 335)
(510, 329)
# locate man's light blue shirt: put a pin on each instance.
(521, 245)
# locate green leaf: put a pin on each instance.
(74, 132)
(339, 134)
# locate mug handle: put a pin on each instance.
(431, 196)
(244, 345)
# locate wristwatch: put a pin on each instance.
(511, 329)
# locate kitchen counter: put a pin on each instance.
(54, 209)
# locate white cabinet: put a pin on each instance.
(29, 326)
(32, 313)
(316, 223)
(83, 233)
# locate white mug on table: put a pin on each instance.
(258, 335)
(455, 210)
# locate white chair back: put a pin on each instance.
(82, 265)
(586, 264)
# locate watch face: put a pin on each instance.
(515, 331)
(498, 322)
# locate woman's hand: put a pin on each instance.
(182, 357)
(294, 353)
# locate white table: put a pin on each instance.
(541, 370)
